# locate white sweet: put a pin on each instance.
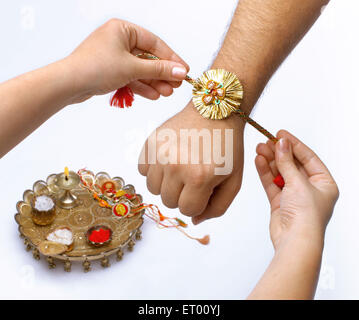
(44, 203)
(63, 236)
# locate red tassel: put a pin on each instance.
(122, 97)
(279, 181)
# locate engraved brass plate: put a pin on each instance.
(88, 213)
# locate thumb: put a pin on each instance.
(159, 69)
(285, 161)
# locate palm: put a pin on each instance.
(276, 223)
(283, 211)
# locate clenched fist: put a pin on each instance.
(201, 187)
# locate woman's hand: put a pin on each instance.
(300, 214)
(106, 61)
(305, 205)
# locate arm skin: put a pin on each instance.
(293, 272)
(30, 99)
(300, 213)
(102, 63)
(262, 33)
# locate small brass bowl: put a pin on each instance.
(43, 218)
(98, 227)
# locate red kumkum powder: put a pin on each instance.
(100, 235)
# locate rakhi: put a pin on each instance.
(122, 207)
(216, 94)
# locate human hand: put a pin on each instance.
(197, 189)
(304, 206)
(106, 61)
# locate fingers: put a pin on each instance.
(164, 88)
(174, 84)
(267, 151)
(220, 199)
(170, 191)
(271, 145)
(158, 69)
(264, 150)
(154, 179)
(285, 160)
(266, 176)
(170, 68)
(148, 42)
(144, 90)
(193, 199)
(143, 166)
(306, 157)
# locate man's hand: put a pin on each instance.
(197, 189)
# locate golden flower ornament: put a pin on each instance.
(217, 93)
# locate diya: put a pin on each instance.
(67, 181)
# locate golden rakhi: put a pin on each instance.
(216, 95)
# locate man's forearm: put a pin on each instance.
(261, 35)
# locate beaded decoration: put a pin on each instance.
(126, 205)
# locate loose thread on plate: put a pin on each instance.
(150, 210)
(155, 214)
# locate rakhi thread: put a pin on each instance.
(152, 211)
(118, 97)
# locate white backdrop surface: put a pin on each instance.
(314, 95)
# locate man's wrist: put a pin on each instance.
(252, 80)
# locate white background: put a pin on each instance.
(314, 95)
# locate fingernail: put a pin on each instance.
(284, 145)
(179, 73)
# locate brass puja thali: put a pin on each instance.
(86, 213)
